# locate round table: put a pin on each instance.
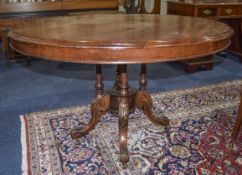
(121, 40)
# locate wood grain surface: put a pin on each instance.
(121, 39)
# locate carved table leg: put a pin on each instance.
(100, 106)
(143, 100)
(238, 122)
(123, 115)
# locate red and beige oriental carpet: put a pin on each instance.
(196, 142)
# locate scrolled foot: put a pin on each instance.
(124, 165)
(144, 101)
(78, 133)
(124, 158)
(99, 106)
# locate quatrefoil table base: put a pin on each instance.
(101, 105)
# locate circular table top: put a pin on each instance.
(121, 39)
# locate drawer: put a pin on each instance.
(229, 11)
(207, 12)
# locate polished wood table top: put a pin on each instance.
(122, 40)
(119, 39)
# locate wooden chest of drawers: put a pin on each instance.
(228, 11)
(200, 8)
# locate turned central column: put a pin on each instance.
(114, 93)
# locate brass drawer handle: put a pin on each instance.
(229, 11)
(207, 12)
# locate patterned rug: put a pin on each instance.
(196, 142)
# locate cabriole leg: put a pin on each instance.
(123, 115)
(100, 105)
(238, 122)
(143, 100)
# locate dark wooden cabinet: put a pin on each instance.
(14, 13)
(228, 11)
(55, 5)
(89, 4)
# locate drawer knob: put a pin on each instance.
(207, 12)
(229, 11)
